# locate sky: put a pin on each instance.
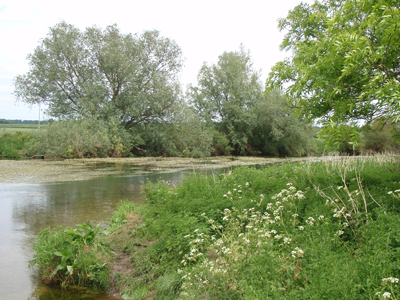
(203, 29)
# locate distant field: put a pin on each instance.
(13, 128)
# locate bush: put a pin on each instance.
(72, 139)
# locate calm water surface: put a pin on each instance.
(26, 209)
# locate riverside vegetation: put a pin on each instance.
(313, 230)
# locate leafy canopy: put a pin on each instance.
(102, 74)
(345, 63)
(225, 94)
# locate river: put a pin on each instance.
(27, 208)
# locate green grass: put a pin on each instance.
(12, 145)
(14, 137)
(14, 128)
(322, 230)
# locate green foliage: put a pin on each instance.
(344, 136)
(229, 98)
(119, 217)
(379, 137)
(102, 74)
(184, 134)
(220, 144)
(78, 256)
(72, 139)
(345, 59)
(277, 132)
(294, 231)
(12, 145)
(81, 138)
(69, 257)
(225, 94)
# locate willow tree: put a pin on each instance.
(345, 64)
(102, 74)
(225, 95)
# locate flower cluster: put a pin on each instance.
(241, 233)
(390, 279)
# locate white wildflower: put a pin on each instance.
(391, 279)
(387, 295)
(297, 252)
(310, 221)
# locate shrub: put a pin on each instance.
(72, 139)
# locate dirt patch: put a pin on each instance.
(123, 269)
(121, 266)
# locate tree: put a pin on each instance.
(345, 64)
(277, 132)
(183, 134)
(102, 74)
(225, 93)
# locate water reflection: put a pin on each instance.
(26, 209)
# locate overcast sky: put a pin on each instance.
(203, 29)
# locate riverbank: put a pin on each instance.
(312, 230)
(36, 171)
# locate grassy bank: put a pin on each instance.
(12, 145)
(315, 230)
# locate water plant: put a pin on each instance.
(69, 256)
